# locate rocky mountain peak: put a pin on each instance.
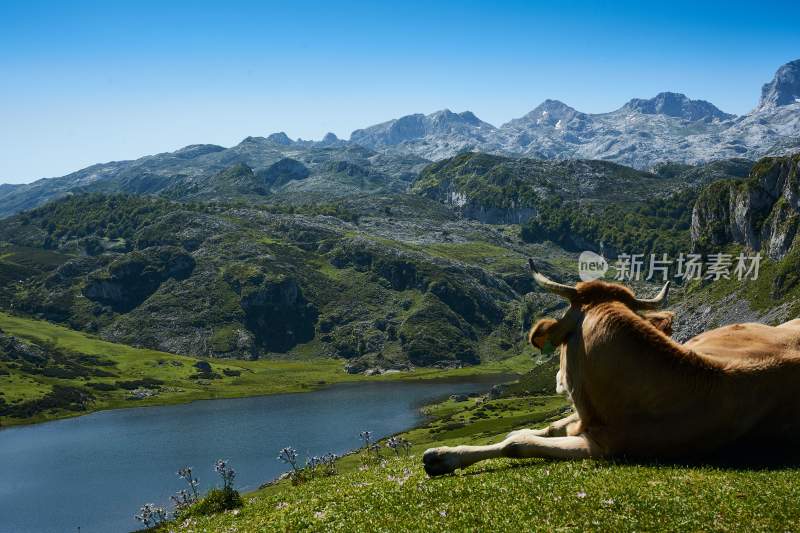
(551, 107)
(470, 118)
(548, 113)
(252, 140)
(418, 126)
(280, 138)
(445, 120)
(330, 140)
(197, 150)
(784, 89)
(676, 105)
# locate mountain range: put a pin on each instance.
(641, 133)
(386, 157)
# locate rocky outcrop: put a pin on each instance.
(13, 349)
(278, 314)
(784, 89)
(761, 212)
(130, 280)
(280, 138)
(497, 215)
(284, 171)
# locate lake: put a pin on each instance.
(95, 471)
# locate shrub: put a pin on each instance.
(102, 386)
(204, 371)
(60, 397)
(147, 383)
(217, 501)
(203, 367)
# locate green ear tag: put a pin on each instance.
(548, 347)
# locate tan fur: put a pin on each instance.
(638, 393)
(661, 320)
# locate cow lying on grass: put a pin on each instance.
(639, 394)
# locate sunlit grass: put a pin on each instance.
(533, 495)
(512, 495)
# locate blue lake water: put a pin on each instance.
(95, 471)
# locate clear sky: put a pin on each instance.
(86, 82)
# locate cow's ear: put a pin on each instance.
(661, 320)
(542, 333)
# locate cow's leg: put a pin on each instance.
(555, 429)
(446, 459)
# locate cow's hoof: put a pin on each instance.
(439, 461)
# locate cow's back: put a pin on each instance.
(744, 401)
(749, 344)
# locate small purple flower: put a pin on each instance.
(187, 474)
(151, 515)
(289, 456)
(227, 473)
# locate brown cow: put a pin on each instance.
(639, 394)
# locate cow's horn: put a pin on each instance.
(549, 285)
(654, 303)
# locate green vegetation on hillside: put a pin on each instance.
(18, 263)
(48, 371)
(579, 204)
(656, 225)
(500, 182)
(233, 281)
(94, 217)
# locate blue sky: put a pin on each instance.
(86, 82)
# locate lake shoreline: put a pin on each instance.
(425, 420)
(235, 378)
(428, 376)
(145, 447)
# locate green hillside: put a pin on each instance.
(48, 371)
(235, 281)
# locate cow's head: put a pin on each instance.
(585, 296)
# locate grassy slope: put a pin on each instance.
(533, 495)
(505, 495)
(256, 378)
